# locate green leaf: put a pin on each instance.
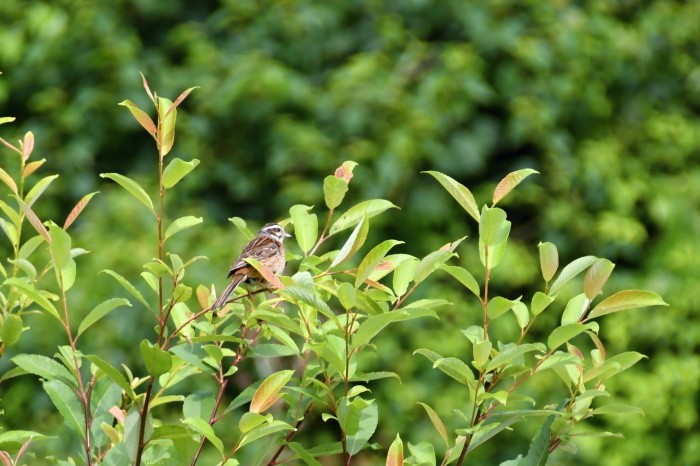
(539, 303)
(11, 329)
(354, 215)
(306, 296)
(354, 242)
(570, 271)
(562, 334)
(30, 246)
(456, 369)
(492, 226)
(369, 418)
(617, 410)
(181, 224)
(157, 361)
(461, 194)
(521, 314)
(250, 421)
(10, 231)
(511, 181)
(304, 455)
(33, 294)
(7, 179)
(483, 435)
(549, 260)
(38, 189)
(574, 309)
(132, 187)
(430, 263)
(482, 352)
(629, 299)
(334, 190)
(538, 452)
(372, 259)
(166, 125)
(141, 116)
(596, 277)
(127, 286)
(198, 404)
(394, 456)
(305, 226)
(263, 431)
(114, 374)
(347, 295)
(375, 324)
(437, 422)
(176, 170)
(507, 356)
(464, 277)
(499, 306)
(68, 404)
(202, 427)
(403, 275)
(20, 437)
(60, 245)
(266, 394)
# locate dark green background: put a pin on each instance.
(601, 97)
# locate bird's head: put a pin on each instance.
(275, 231)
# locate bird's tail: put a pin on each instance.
(221, 300)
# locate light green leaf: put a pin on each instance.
(430, 263)
(460, 193)
(38, 189)
(176, 170)
(540, 301)
(347, 295)
(509, 182)
(549, 260)
(492, 227)
(437, 422)
(618, 409)
(354, 215)
(68, 404)
(10, 230)
(114, 374)
(570, 271)
(596, 277)
(157, 361)
(33, 294)
(499, 306)
(128, 286)
(456, 369)
(132, 187)
(354, 242)
(375, 324)
(334, 190)
(249, 421)
(30, 246)
(482, 352)
(464, 277)
(574, 309)
(202, 427)
(11, 329)
(629, 299)
(166, 125)
(263, 431)
(180, 224)
(369, 419)
(60, 245)
(562, 334)
(521, 314)
(403, 275)
(266, 394)
(372, 260)
(305, 226)
(507, 356)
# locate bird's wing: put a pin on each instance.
(260, 248)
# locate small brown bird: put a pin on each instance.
(267, 247)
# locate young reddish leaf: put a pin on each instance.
(596, 277)
(117, 413)
(34, 220)
(141, 116)
(31, 167)
(509, 182)
(7, 179)
(11, 146)
(77, 209)
(145, 86)
(598, 344)
(22, 450)
(27, 145)
(6, 458)
(266, 273)
(395, 455)
(266, 394)
(345, 170)
(179, 100)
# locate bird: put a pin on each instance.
(268, 248)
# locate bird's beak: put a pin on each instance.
(287, 235)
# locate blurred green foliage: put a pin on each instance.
(602, 98)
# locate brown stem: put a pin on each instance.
(290, 435)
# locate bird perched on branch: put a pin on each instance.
(267, 248)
